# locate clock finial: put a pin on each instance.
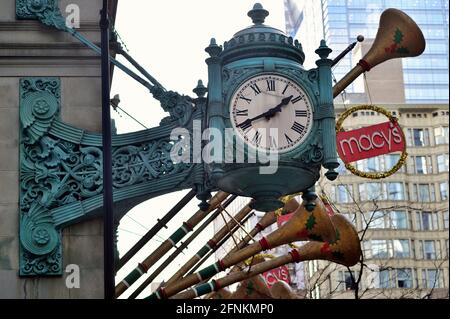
(258, 14)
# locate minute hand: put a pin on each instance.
(269, 113)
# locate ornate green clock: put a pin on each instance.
(259, 89)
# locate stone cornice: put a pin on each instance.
(32, 25)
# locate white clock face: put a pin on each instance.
(271, 112)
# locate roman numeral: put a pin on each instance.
(298, 128)
(241, 112)
(300, 113)
(287, 85)
(298, 98)
(257, 138)
(245, 125)
(256, 89)
(270, 85)
(245, 99)
(288, 139)
(273, 142)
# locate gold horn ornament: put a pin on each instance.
(302, 226)
(346, 250)
(398, 36)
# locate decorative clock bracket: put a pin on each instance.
(61, 171)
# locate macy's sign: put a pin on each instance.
(370, 141)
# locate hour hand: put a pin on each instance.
(246, 124)
(286, 100)
(271, 113)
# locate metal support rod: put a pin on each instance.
(155, 229)
(219, 244)
(108, 214)
(139, 67)
(336, 60)
(183, 246)
(170, 242)
(92, 46)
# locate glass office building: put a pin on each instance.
(339, 22)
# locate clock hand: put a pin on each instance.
(276, 109)
(269, 113)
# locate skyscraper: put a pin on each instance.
(339, 22)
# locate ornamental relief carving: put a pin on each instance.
(55, 172)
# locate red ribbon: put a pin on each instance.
(212, 243)
(259, 227)
(143, 267)
(325, 248)
(216, 285)
(188, 226)
(365, 65)
(221, 265)
(264, 244)
(295, 255)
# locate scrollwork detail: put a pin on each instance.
(46, 11)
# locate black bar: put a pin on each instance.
(108, 218)
(155, 229)
(336, 60)
(180, 249)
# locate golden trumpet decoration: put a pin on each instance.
(346, 250)
(398, 36)
(302, 226)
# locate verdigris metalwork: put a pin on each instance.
(61, 170)
(46, 11)
(257, 50)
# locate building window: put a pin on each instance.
(342, 170)
(404, 278)
(379, 249)
(423, 165)
(430, 278)
(375, 220)
(401, 248)
(395, 191)
(388, 219)
(345, 281)
(429, 249)
(445, 219)
(441, 135)
(418, 137)
(399, 220)
(442, 162)
(446, 247)
(385, 279)
(371, 191)
(369, 164)
(443, 187)
(343, 193)
(390, 160)
(424, 192)
(427, 221)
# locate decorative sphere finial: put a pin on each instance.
(258, 14)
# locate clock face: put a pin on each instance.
(271, 112)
